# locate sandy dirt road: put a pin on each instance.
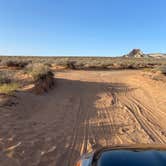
(84, 110)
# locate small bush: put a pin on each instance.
(162, 69)
(42, 76)
(37, 70)
(71, 65)
(5, 78)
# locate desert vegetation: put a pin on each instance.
(39, 69)
(12, 70)
(14, 63)
(7, 83)
(42, 76)
(162, 69)
(87, 63)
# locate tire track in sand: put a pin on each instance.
(137, 109)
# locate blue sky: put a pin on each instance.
(81, 27)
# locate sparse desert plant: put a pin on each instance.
(7, 85)
(5, 78)
(47, 64)
(162, 69)
(42, 76)
(37, 70)
(71, 65)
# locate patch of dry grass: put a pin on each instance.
(8, 88)
(7, 85)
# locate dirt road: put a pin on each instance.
(84, 110)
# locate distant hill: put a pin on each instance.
(137, 53)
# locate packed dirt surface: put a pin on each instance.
(85, 110)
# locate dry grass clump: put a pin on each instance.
(42, 76)
(8, 88)
(7, 85)
(71, 65)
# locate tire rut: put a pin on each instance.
(74, 135)
(145, 121)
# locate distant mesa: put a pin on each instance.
(137, 53)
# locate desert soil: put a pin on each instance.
(86, 109)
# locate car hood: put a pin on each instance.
(138, 155)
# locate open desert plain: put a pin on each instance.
(84, 109)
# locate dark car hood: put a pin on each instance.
(131, 155)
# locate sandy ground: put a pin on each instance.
(86, 109)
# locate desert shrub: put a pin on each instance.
(42, 76)
(100, 65)
(37, 70)
(7, 84)
(14, 63)
(71, 65)
(132, 66)
(162, 69)
(5, 78)
(47, 64)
